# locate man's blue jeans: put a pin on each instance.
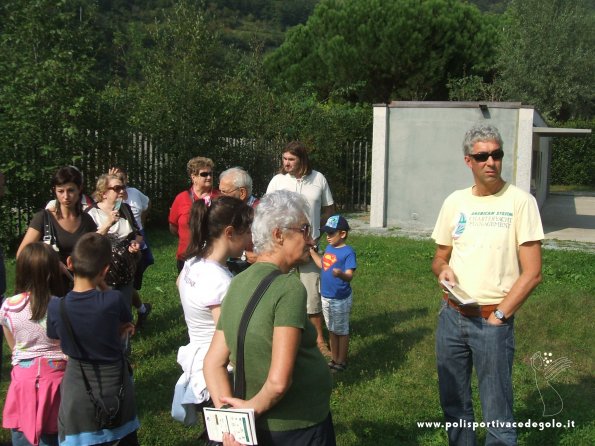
(462, 343)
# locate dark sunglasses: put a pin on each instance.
(205, 174)
(481, 157)
(117, 189)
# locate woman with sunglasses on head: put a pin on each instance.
(287, 380)
(200, 171)
(65, 219)
(114, 220)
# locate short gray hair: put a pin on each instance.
(240, 178)
(481, 132)
(279, 209)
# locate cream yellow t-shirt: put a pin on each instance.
(485, 234)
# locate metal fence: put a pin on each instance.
(358, 175)
(161, 174)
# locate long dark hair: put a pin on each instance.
(64, 175)
(209, 220)
(38, 273)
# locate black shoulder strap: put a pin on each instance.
(127, 213)
(92, 205)
(239, 388)
(48, 230)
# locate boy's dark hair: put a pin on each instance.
(91, 253)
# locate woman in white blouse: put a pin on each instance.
(114, 219)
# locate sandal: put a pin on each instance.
(337, 367)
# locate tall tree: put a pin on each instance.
(46, 85)
(177, 101)
(547, 57)
(377, 50)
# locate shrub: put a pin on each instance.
(573, 160)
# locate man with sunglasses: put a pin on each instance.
(488, 240)
(297, 175)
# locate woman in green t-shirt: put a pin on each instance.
(288, 383)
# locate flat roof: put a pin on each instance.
(555, 131)
(452, 104)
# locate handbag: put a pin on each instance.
(123, 263)
(108, 411)
(183, 408)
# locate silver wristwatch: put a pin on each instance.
(499, 315)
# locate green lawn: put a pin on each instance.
(391, 381)
(570, 188)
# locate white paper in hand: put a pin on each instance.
(458, 293)
(238, 422)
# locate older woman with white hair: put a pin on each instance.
(287, 381)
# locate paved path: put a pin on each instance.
(569, 216)
(568, 222)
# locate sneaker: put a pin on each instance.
(142, 317)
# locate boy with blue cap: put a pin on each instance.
(337, 267)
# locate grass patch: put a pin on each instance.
(571, 188)
(391, 382)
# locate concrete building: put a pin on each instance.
(417, 155)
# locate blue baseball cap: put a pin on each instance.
(336, 223)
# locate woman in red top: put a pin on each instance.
(200, 170)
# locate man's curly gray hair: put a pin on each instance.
(481, 132)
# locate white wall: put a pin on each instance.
(417, 157)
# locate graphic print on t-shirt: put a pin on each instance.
(492, 220)
(460, 227)
(328, 260)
